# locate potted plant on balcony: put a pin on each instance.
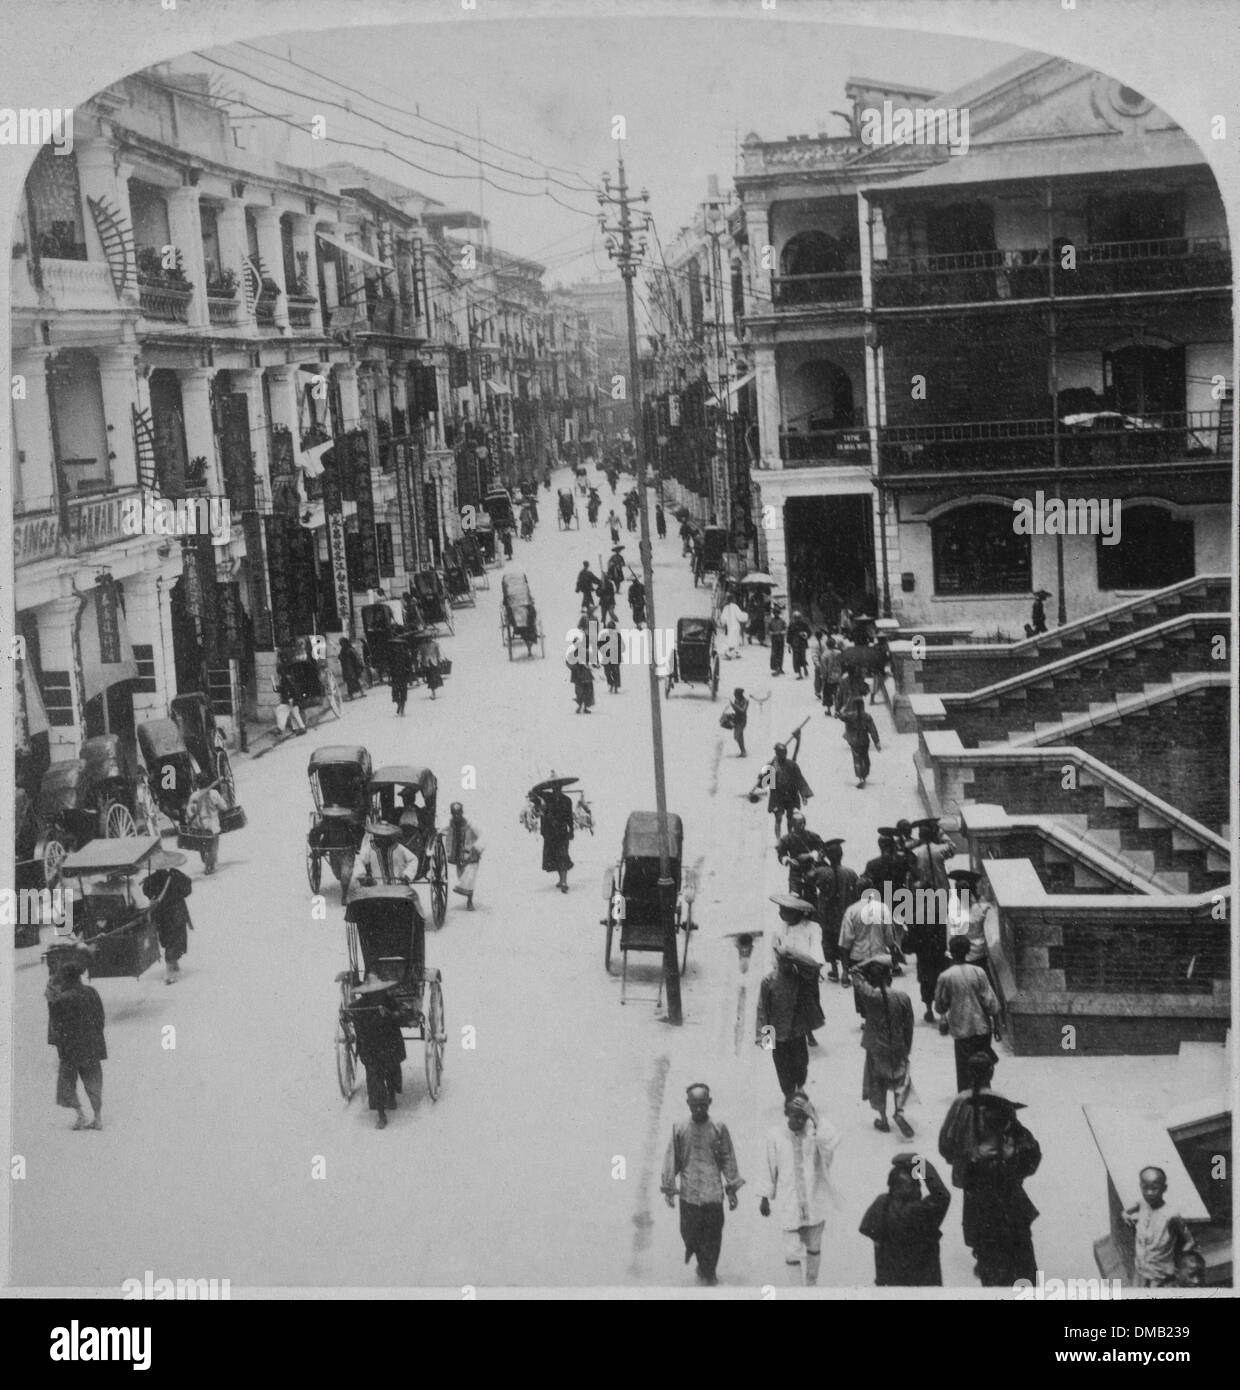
(153, 272)
(196, 474)
(222, 284)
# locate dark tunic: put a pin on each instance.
(381, 1050)
(167, 889)
(557, 831)
(75, 1026)
(788, 786)
(906, 1236)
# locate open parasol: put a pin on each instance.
(756, 578)
(551, 784)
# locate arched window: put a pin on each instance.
(1155, 549)
(976, 551)
(812, 253)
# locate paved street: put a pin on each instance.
(513, 1177)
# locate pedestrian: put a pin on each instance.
(836, 888)
(831, 669)
(1037, 626)
(613, 522)
(788, 1007)
(579, 672)
(555, 811)
(686, 538)
(75, 1021)
(1161, 1237)
(464, 846)
(732, 619)
(380, 1044)
(587, 582)
(202, 817)
(166, 889)
(964, 997)
(612, 477)
(888, 872)
(593, 503)
(967, 913)
(400, 671)
(660, 521)
(288, 710)
(799, 1154)
(799, 849)
(606, 598)
(866, 931)
(637, 602)
(612, 653)
(350, 668)
(850, 688)
(906, 1227)
(699, 560)
(700, 1165)
(428, 667)
(798, 644)
(880, 660)
(927, 935)
(887, 1037)
(615, 566)
(816, 653)
(788, 787)
(991, 1154)
(776, 630)
(799, 937)
(735, 717)
(859, 731)
(505, 536)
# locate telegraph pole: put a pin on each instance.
(627, 254)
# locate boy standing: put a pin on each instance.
(1162, 1235)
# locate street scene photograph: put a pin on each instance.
(621, 640)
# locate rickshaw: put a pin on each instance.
(529, 496)
(394, 793)
(174, 774)
(312, 677)
(382, 624)
(339, 776)
(432, 595)
(195, 718)
(714, 543)
(475, 560)
(112, 921)
(694, 658)
(426, 657)
(484, 530)
(518, 617)
(386, 934)
(456, 576)
(566, 514)
(631, 890)
(497, 504)
(102, 794)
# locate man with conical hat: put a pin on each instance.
(788, 1006)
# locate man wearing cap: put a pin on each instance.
(906, 1227)
(797, 849)
(700, 1163)
(788, 1006)
(380, 1045)
(927, 936)
(777, 631)
(464, 846)
(887, 1038)
(788, 787)
(964, 997)
(75, 1022)
(799, 1154)
(836, 888)
(383, 858)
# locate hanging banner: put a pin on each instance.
(232, 634)
(107, 618)
(335, 463)
(368, 548)
(404, 507)
(260, 608)
(279, 571)
(383, 544)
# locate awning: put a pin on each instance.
(36, 715)
(96, 675)
(736, 387)
(312, 458)
(498, 387)
(354, 251)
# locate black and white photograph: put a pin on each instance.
(620, 627)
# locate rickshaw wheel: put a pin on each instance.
(439, 882)
(314, 870)
(433, 1032)
(508, 640)
(118, 822)
(223, 771)
(346, 1060)
(54, 854)
(333, 695)
(714, 678)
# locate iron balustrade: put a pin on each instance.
(840, 288)
(1110, 440)
(810, 447)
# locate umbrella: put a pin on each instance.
(551, 784)
(757, 577)
(681, 513)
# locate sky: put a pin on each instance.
(547, 91)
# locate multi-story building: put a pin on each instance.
(1042, 314)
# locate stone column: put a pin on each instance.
(350, 397)
(770, 410)
(758, 222)
(304, 242)
(119, 382)
(32, 425)
(234, 252)
(199, 431)
(185, 228)
(284, 403)
(99, 177)
(271, 251)
(58, 651)
(148, 614)
(773, 538)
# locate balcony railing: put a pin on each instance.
(812, 447)
(1101, 440)
(301, 310)
(222, 309)
(164, 302)
(839, 289)
(1108, 267)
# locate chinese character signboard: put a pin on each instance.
(108, 619)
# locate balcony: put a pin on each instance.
(840, 289)
(812, 448)
(301, 310)
(1103, 268)
(164, 301)
(1101, 440)
(223, 310)
(79, 284)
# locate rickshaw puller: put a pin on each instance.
(380, 1047)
